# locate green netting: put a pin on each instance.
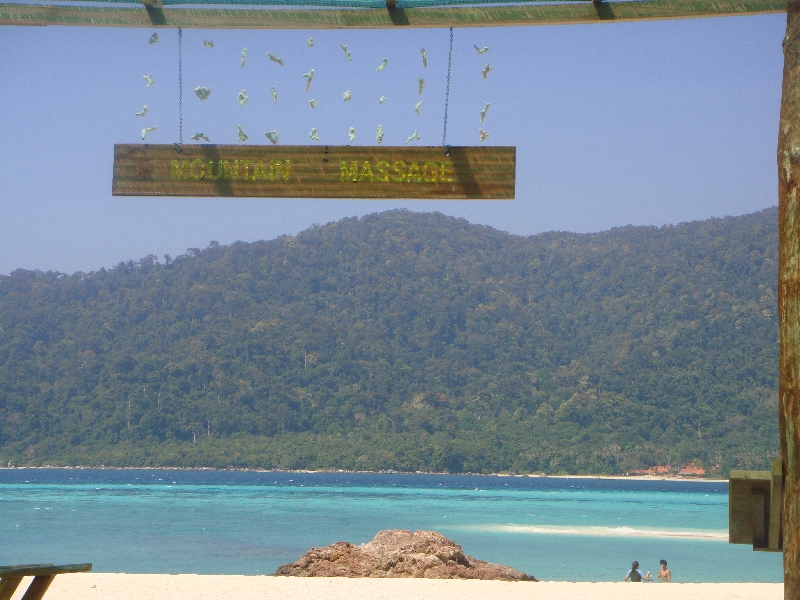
(447, 13)
(355, 4)
(361, 4)
(339, 3)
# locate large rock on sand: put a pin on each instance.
(399, 553)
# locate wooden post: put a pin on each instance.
(789, 297)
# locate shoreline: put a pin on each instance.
(121, 586)
(388, 472)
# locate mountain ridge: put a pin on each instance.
(405, 341)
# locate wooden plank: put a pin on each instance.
(775, 505)
(758, 517)
(102, 15)
(366, 172)
(5, 569)
(755, 475)
(42, 569)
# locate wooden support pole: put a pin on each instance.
(789, 298)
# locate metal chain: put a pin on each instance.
(180, 81)
(447, 93)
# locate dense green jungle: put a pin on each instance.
(405, 341)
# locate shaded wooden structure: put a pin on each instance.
(754, 508)
(153, 13)
(43, 575)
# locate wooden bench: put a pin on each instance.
(43, 575)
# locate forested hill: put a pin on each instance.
(405, 341)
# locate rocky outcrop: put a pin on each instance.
(399, 553)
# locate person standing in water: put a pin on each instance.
(664, 574)
(635, 574)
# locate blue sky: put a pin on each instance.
(641, 123)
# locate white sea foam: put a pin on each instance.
(597, 531)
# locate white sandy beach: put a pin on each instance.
(113, 586)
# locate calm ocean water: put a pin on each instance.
(249, 523)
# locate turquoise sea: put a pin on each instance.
(169, 521)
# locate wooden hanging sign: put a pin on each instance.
(427, 172)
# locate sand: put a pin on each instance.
(113, 586)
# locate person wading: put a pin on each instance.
(635, 574)
(664, 574)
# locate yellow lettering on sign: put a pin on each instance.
(366, 172)
(429, 175)
(399, 168)
(194, 172)
(246, 164)
(276, 169)
(446, 172)
(381, 169)
(349, 173)
(179, 171)
(355, 171)
(431, 172)
(413, 173)
(211, 170)
(228, 172)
